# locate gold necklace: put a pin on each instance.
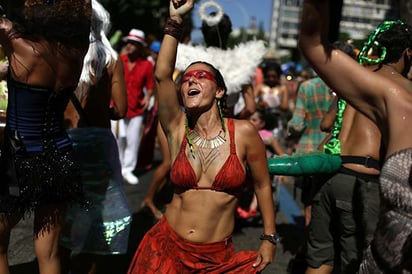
(201, 142)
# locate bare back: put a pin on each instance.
(359, 136)
(45, 63)
(97, 98)
(37, 61)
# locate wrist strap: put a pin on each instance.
(173, 29)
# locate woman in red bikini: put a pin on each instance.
(209, 158)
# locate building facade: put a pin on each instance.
(359, 18)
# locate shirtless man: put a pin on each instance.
(345, 206)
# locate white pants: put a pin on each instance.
(128, 132)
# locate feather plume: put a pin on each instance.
(237, 65)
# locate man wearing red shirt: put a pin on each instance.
(139, 83)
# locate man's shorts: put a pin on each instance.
(344, 216)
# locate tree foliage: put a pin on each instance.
(147, 15)
(150, 16)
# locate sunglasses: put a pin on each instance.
(198, 74)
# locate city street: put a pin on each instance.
(289, 222)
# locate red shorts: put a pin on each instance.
(163, 251)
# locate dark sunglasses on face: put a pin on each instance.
(198, 74)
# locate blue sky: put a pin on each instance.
(240, 12)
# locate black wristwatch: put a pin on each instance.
(273, 238)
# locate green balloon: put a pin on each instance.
(304, 164)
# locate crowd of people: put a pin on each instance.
(82, 115)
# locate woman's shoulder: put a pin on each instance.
(244, 127)
(246, 137)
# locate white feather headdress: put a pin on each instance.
(237, 65)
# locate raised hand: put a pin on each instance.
(179, 8)
(178, 3)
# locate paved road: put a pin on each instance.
(289, 223)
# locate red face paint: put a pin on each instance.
(198, 74)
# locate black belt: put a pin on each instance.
(365, 161)
(368, 177)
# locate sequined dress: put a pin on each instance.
(391, 249)
(104, 227)
(37, 165)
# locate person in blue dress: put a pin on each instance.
(45, 43)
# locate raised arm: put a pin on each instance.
(326, 125)
(296, 125)
(360, 87)
(249, 98)
(170, 112)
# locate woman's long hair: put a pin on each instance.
(100, 54)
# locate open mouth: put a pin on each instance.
(193, 92)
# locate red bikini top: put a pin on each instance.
(230, 177)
